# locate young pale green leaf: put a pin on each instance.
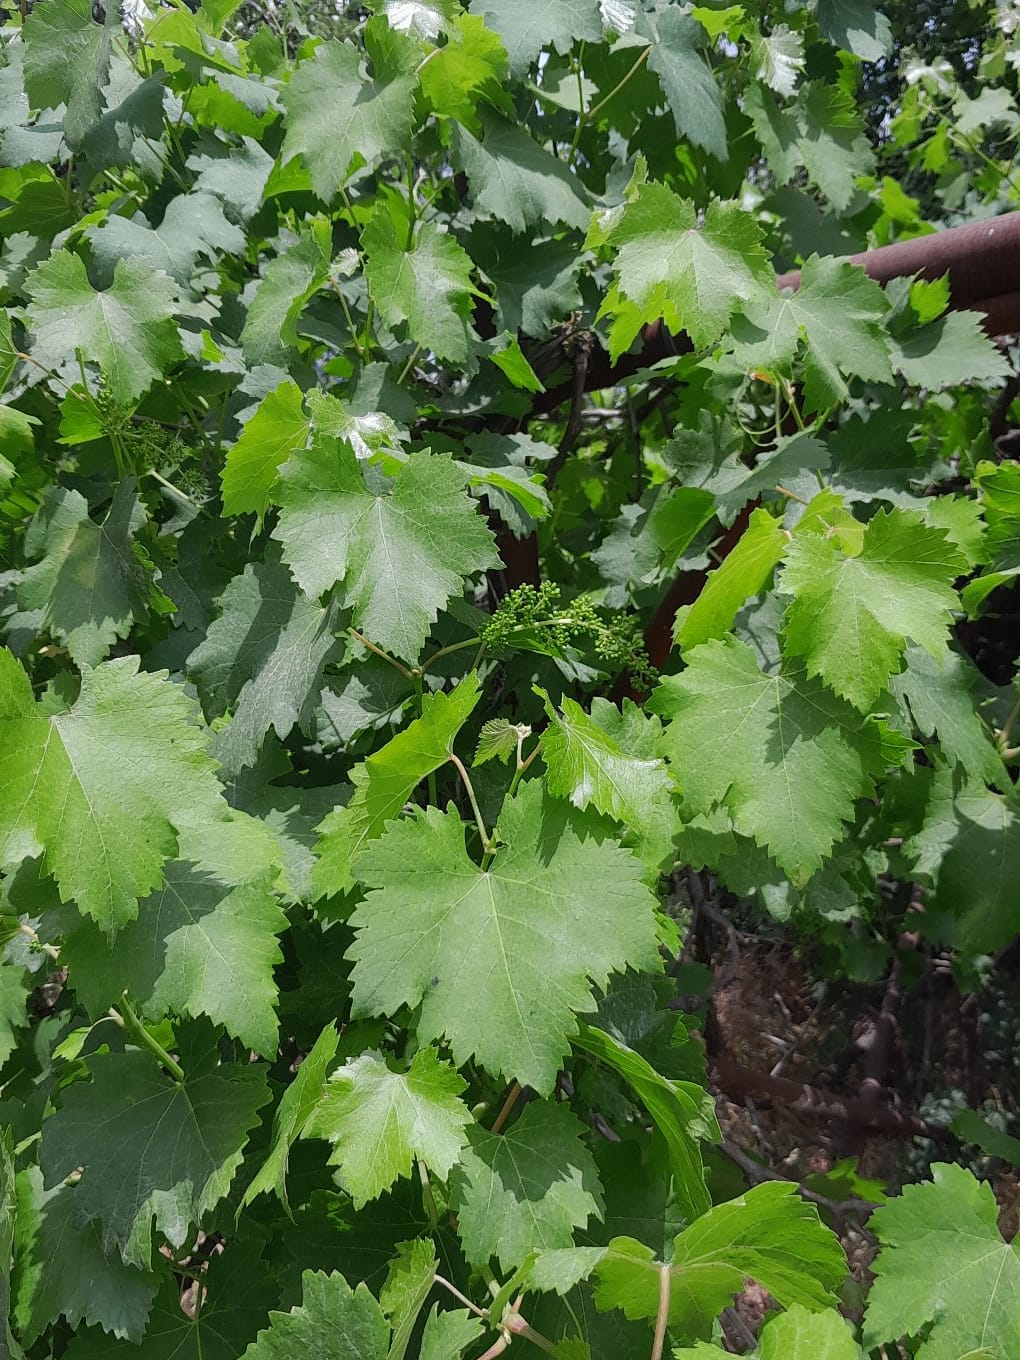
(586, 764)
(469, 71)
(292, 1113)
(447, 1335)
(129, 330)
(944, 1271)
(278, 428)
(383, 782)
(769, 1235)
(838, 312)
(67, 61)
(851, 615)
(64, 1270)
(338, 119)
(90, 584)
(426, 285)
(526, 30)
(538, 1163)
(332, 1322)
(516, 181)
(784, 756)
(411, 1279)
(499, 739)
(263, 659)
(742, 573)
(150, 1150)
(104, 788)
(693, 275)
(400, 553)
(555, 914)
(381, 1121)
(677, 1107)
(678, 58)
(270, 329)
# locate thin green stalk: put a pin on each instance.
(355, 337)
(409, 365)
(378, 651)
(586, 118)
(487, 846)
(662, 1316)
(137, 1031)
(428, 1199)
(522, 765)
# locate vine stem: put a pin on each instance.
(662, 1316)
(461, 1298)
(360, 637)
(522, 765)
(130, 1022)
(409, 365)
(512, 1097)
(586, 118)
(487, 846)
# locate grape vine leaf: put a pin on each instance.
(332, 1322)
(768, 1234)
(944, 1271)
(424, 18)
(554, 915)
(385, 779)
(427, 285)
(498, 740)
(470, 70)
(381, 1121)
(677, 1108)
(938, 692)
(409, 1282)
(103, 788)
(694, 97)
(820, 133)
(778, 58)
(150, 1150)
(857, 26)
(336, 119)
(787, 758)
(277, 429)
(447, 1335)
(837, 311)
(270, 334)
(128, 330)
(65, 1272)
(236, 175)
(586, 763)
(851, 615)
(401, 553)
(951, 350)
(67, 61)
(263, 658)
(194, 224)
(794, 1335)
(296, 1105)
(515, 180)
(527, 1188)
(89, 582)
(8, 1226)
(741, 574)
(15, 989)
(526, 30)
(668, 264)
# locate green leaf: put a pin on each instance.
(64, 1270)
(193, 225)
(332, 1322)
(129, 330)
(837, 311)
(586, 763)
(554, 915)
(944, 1270)
(851, 616)
(15, 990)
(951, 350)
(263, 658)
(8, 1224)
(270, 329)
(278, 428)
(971, 1128)
(668, 265)
(427, 285)
(67, 60)
(857, 26)
(693, 95)
(90, 583)
(779, 58)
(677, 1107)
(820, 133)
(526, 31)
(410, 1280)
(742, 573)
(384, 781)
(938, 691)
(786, 758)
(447, 1335)
(104, 788)
(150, 1151)
(769, 1235)
(526, 1188)
(401, 552)
(337, 119)
(793, 1335)
(499, 739)
(236, 175)
(381, 1121)
(470, 70)
(516, 181)
(292, 1113)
